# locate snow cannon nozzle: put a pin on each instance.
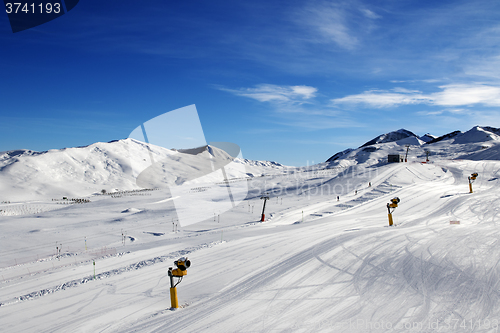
(394, 202)
(182, 265)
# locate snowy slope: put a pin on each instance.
(113, 166)
(474, 135)
(318, 263)
(455, 145)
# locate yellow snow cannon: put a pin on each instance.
(392, 205)
(182, 265)
(472, 178)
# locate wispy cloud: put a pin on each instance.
(384, 98)
(450, 95)
(439, 112)
(342, 24)
(467, 94)
(370, 14)
(296, 106)
(416, 81)
(275, 93)
(329, 23)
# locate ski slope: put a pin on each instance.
(317, 264)
(337, 266)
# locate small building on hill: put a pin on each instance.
(396, 158)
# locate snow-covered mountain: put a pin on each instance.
(111, 166)
(390, 137)
(339, 155)
(475, 135)
(124, 164)
(480, 142)
(427, 137)
(445, 136)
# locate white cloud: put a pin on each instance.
(456, 110)
(328, 21)
(304, 91)
(439, 112)
(368, 13)
(451, 95)
(381, 98)
(414, 81)
(430, 113)
(405, 91)
(466, 94)
(297, 107)
(275, 93)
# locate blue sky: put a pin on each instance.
(289, 81)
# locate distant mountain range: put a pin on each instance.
(112, 166)
(116, 165)
(480, 142)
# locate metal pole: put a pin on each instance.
(390, 215)
(174, 302)
(171, 277)
(263, 218)
(264, 207)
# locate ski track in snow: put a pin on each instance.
(317, 265)
(100, 276)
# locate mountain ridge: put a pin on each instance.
(389, 137)
(464, 143)
(110, 166)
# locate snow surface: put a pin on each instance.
(476, 134)
(113, 166)
(315, 265)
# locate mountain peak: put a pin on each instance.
(427, 137)
(390, 137)
(478, 134)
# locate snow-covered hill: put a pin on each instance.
(112, 166)
(390, 137)
(455, 145)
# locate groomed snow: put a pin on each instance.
(317, 264)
